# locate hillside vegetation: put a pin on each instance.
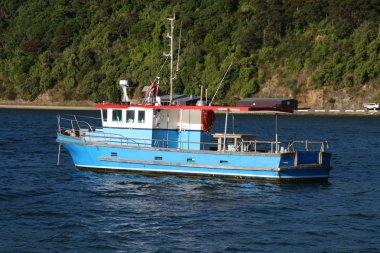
(80, 49)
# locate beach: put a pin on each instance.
(349, 112)
(48, 107)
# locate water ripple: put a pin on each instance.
(44, 208)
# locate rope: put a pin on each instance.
(220, 84)
(160, 69)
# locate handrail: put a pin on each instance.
(94, 134)
(80, 116)
(77, 120)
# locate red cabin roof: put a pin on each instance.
(193, 107)
(175, 107)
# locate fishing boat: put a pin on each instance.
(161, 136)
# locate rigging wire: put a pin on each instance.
(167, 57)
(179, 46)
(225, 74)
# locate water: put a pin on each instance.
(44, 208)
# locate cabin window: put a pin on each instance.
(116, 115)
(141, 117)
(130, 116)
(104, 115)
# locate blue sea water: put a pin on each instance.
(45, 208)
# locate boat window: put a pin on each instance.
(116, 115)
(141, 117)
(104, 115)
(130, 116)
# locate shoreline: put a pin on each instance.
(48, 107)
(324, 112)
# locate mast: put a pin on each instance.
(170, 36)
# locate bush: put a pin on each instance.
(348, 81)
(361, 74)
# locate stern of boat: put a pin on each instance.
(305, 165)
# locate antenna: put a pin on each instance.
(179, 46)
(225, 74)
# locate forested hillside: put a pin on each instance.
(81, 48)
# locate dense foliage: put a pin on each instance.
(82, 48)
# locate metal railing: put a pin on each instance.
(75, 123)
(309, 145)
(75, 126)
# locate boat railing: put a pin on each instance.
(281, 146)
(79, 126)
(75, 124)
(118, 139)
(261, 146)
(244, 146)
(100, 136)
(308, 145)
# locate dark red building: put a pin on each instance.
(279, 103)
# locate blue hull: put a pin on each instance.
(257, 166)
